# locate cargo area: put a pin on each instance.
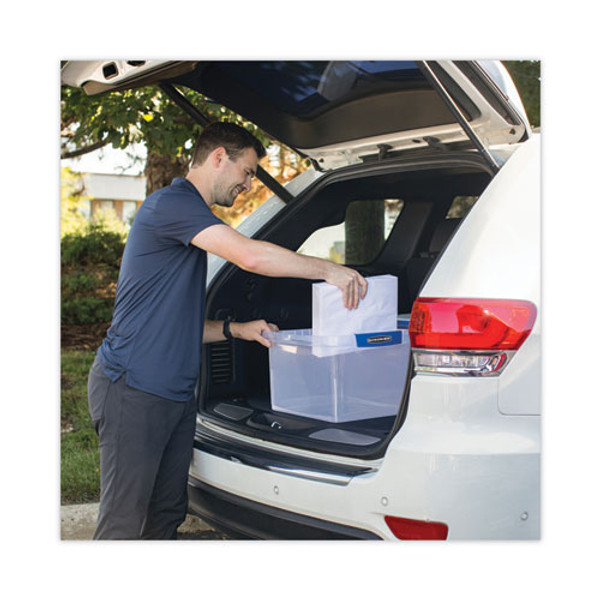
(382, 220)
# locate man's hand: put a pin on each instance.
(251, 331)
(352, 284)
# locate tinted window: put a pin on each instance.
(359, 239)
(460, 206)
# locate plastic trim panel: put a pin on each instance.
(251, 520)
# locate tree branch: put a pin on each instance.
(85, 150)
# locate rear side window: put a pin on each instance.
(460, 206)
(359, 239)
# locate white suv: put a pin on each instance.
(427, 171)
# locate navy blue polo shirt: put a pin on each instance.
(155, 337)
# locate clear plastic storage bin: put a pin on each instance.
(338, 378)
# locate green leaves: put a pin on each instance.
(89, 271)
(95, 246)
(526, 76)
(142, 115)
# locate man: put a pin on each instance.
(141, 388)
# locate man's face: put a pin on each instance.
(234, 177)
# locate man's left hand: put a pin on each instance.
(251, 331)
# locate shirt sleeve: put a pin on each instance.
(180, 217)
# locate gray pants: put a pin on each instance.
(146, 446)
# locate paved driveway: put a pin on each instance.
(78, 521)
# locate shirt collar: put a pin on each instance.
(182, 181)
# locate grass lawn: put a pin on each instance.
(80, 459)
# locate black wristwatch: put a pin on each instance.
(226, 331)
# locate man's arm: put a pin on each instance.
(271, 260)
(250, 331)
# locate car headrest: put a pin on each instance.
(443, 232)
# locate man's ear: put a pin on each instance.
(218, 155)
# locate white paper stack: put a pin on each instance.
(378, 311)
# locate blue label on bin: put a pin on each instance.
(382, 338)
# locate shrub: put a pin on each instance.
(79, 282)
(90, 264)
(95, 246)
(86, 311)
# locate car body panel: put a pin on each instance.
(468, 452)
(481, 479)
(98, 76)
(503, 230)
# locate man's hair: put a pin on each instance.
(233, 138)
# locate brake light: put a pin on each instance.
(411, 529)
(468, 336)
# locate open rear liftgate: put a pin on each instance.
(429, 72)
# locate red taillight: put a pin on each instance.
(411, 529)
(470, 324)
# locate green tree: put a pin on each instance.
(72, 219)
(527, 77)
(147, 115)
(143, 115)
(90, 261)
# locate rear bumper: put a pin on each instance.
(480, 478)
(246, 519)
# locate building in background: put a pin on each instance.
(122, 193)
(111, 180)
